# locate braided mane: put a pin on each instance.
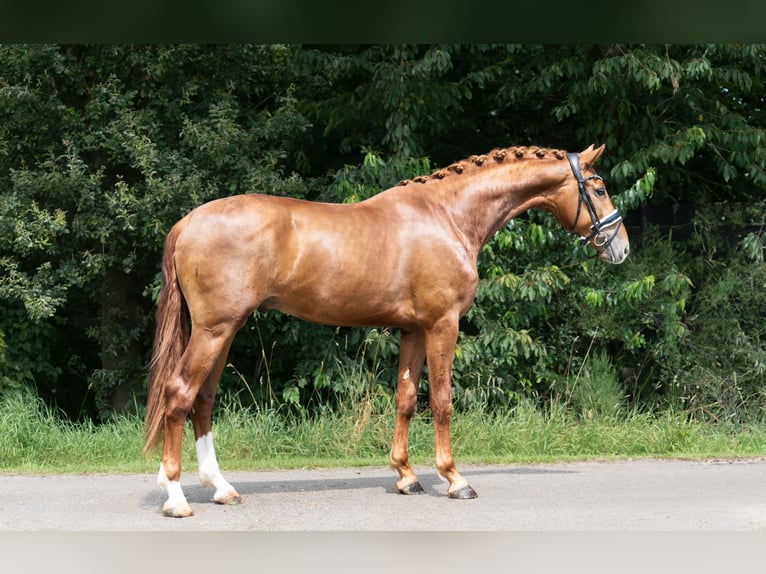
(494, 157)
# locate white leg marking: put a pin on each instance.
(209, 473)
(176, 499)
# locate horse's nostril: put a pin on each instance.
(627, 249)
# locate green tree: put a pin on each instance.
(102, 149)
(696, 111)
(684, 121)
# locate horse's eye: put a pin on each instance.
(601, 192)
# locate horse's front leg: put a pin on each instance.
(440, 349)
(411, 357)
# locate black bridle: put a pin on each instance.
(598, 225)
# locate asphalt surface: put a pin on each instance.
(633, 495)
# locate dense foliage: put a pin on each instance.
(103, 148)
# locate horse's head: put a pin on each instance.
(585, 209)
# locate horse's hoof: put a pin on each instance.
(464, 493)
(230, 499)
(412, 488)
(177, 511)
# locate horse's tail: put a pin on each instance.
(170, 339)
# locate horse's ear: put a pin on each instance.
(590, 155)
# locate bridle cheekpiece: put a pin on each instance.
(598, 225)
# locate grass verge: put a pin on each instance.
(35, 440)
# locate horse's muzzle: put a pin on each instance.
(615, 251)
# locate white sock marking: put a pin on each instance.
(176, 498)
(209, 473)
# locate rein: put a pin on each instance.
(598, 225)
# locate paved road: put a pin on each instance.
(636, 495)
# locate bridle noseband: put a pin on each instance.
(598, 225)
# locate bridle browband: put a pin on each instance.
(598, 225)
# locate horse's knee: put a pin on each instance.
(405, 408)
(406, 400)
(441, 412)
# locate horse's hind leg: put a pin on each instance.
(205, 352)
(411, 357)
(209, 473)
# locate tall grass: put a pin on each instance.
(36, 439)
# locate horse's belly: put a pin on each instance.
(338, 308)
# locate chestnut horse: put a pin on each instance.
(404, 258)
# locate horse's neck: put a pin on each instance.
(482, 202)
